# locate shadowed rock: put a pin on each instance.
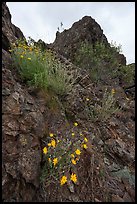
(10, 32)
(85, 30)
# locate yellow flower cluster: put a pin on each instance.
(73, 161)
(78, 152)
(72, 155)
(51, 134)
(75, 124)
(85, 146)
(55, 161)
(22, 50)
(53, 143)
(45, 150)
(57, 157)
(73, 178)
(85, 139)
(49, 144)
(63, 180)
(113, 91)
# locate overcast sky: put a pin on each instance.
(40, 20)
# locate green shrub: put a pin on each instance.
(41, 69)
(104, 109)
(127, 74)
(100, 60)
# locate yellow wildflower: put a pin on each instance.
(78, 152)
(49, 159)
(21, 56)
(63, 180)
(85, 139)
(45, 150)
(77, 159)
(49, 144)
(51, 134)
(29, 58)
(73, 134)
(73, 161)
(113, 91)
(53, 143)
(85, 146)
(75, 124)
(55, 161)
(73, 178)
(72, 155)
(87, 99)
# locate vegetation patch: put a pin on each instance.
(104, 109)
(127, 74)
(40, 68)
(99, 59)
(102, 62)
(61, 155)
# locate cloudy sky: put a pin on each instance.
(40, 20)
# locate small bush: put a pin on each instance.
(103, 110)
(100, 60)
(60, 157)
(127, 74)
(40, 69)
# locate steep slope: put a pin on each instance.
(22, 125)
(85, 30)
(10, 32)
(105, 168)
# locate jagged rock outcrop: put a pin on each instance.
(106, 168)
(10, 32)
(85, 30)
(22, 126)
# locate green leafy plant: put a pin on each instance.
(41, 69)
(127, 74)
(60, 156)
(99, 59)
(104, 109)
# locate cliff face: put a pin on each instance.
(10, 32)
(22, 125)
(85, 30)
(106, 169)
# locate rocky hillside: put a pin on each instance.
(85, 30)
(76, 146)
(10, 32)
